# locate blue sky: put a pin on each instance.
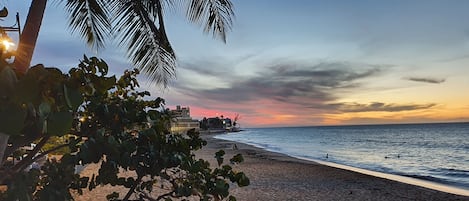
(305, 62)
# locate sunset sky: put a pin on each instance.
(302, 62)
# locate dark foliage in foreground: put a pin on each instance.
(111, 124)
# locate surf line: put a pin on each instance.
(398, 178)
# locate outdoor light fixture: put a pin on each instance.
(6, 42)
(6, 45)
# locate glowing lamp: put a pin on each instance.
(7, 44)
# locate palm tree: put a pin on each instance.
(28, 37)
(137, 25)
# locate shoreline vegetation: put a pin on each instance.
(276, 176)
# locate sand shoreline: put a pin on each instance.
(404, 179)
(276, 176)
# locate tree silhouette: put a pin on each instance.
(138, 26)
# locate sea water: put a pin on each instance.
(434, 152)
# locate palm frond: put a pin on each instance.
(215, 16)
(90, 18)
(138, 26)
(147, 45)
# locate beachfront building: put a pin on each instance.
(182, 121)
(216, 124)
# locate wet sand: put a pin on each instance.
(279, 177)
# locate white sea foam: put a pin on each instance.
(399, 178)
(434, 156)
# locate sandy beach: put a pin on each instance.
(279, 177)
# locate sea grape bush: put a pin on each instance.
(109, 123)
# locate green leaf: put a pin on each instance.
(243, 180)
(221, 187)
(129, 182)
(219, 156)
(103, 67)
(153, 114)
(184, 191)
(112, 196)
(28, 87)
(7, 81)
(227, 168)
(238, 158)
(59, 123)
(12, 118)
(73, 143)
(108, 82)
(84, 182)
(103, 84)
(44, 109)
(112, 141)
(73, 97)
(55, 75)
(231, 198)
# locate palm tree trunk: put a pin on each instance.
(25, 51)
(28, 37)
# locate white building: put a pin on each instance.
(182, 121)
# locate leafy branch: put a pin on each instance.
(115, 125)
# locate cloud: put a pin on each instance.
(426, 80)
(408, 119)
(455, 58)
(210, 68)
(379, 107)
(272, 93)
(290, 83)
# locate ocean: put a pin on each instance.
(435, 152)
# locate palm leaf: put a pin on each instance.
(90, 18)
(147, 45)
(215, 16)
(138, 26)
